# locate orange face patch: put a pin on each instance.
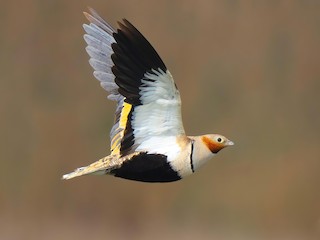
(212, 145)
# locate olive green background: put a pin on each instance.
(249, 70)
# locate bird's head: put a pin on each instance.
(206, 146)
(216, 142)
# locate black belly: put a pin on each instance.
(147, 168)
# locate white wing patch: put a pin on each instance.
(161, 88)
(160, 112)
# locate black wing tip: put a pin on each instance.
(133, 57)
(129, 24)
(141, 44)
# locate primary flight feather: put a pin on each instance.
(148, 141)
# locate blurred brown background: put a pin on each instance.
(247, 69)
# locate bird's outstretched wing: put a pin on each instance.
(129, 68)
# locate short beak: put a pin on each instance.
(229, 143)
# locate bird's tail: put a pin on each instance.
(100, 167)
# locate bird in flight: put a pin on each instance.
(148, 141)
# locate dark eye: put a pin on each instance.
(219, 140)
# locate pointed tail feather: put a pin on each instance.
(100, 167)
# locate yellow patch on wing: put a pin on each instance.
(124, 114)
(212, 145)
(126, 108)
